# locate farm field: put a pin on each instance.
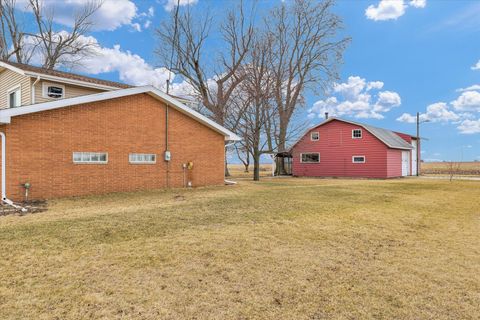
(443, 168)
(283, 248)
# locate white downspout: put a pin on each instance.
(4, 179)
(33, 89)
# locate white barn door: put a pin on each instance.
(414, 158)
(405, 163)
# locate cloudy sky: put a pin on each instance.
(406, 56)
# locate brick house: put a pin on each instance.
(64, 134)
(341, 148)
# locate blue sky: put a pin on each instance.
(405, 56)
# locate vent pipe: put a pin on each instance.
(326, 115)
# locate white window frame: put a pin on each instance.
(89, 155)
(18, 96)
(364, 159)
(45, 86)
(361, 134)
(311, 136)
(131, 159)
(301, 157)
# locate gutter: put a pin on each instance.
(4, 180)
(33, 89)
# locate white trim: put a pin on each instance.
(45, 86)
(90, 162)
(6, 114)
(361, 133)
(318, 136)
(17, 88)
(301, 157)
(11, 68)
(364, 159)
(142, 162)
(4, 166)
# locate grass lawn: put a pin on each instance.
(278, 249)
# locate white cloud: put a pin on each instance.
(136, 26)
(467, 101)
(476, 66)
(437, 112)
(170, 4)
(475, 87)
(356, 98)
(418, 3)
(469, 126)
(110, 16)
(391, 9)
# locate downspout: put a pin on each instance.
(167, 152)
(4, 179)
(33, 89)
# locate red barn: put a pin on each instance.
(341, 148)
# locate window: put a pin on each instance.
(145, 158)
(14, 97)
(53, 91)
(90, 157)
(314, 136)
(356, 133)
(358, 159)
(310, 157)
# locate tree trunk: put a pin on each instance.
(256, 166)
(280, 170)
(246, 167)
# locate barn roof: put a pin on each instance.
(388, 137)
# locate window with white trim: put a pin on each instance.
(314, 136)
(312, 157)
(142, 158)
(356, 133)
(90, 157)
(358, 159)
(53, 90)
(14, 97)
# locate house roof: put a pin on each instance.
(56, 75)
(7, 114)
(388, 137)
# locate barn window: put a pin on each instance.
(90, 157)
(358, 159)
(14, 97)
(314, 136)
(142, 158)
(53, 91)
(310, 157)
(356, 133)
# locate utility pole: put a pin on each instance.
(418, 144)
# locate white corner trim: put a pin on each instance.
(152, 91)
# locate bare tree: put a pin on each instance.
(214, 86)
(66, 48)
(453, 168)
(305, 55)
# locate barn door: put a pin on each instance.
(405, 163)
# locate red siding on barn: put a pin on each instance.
(336, 148)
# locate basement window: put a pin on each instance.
(358, 159)
(90, 157)
(142, 158)
(314, 136)
(14, 97)
(313, 157)
(53, 91)
(356, 133)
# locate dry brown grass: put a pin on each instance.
(443, 168)
(278, 249)
(238, 171)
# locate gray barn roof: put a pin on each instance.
(388, 137)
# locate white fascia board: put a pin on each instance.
(71, 81)
(12, 68)
(6, 114)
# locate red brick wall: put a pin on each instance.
(40, 147)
